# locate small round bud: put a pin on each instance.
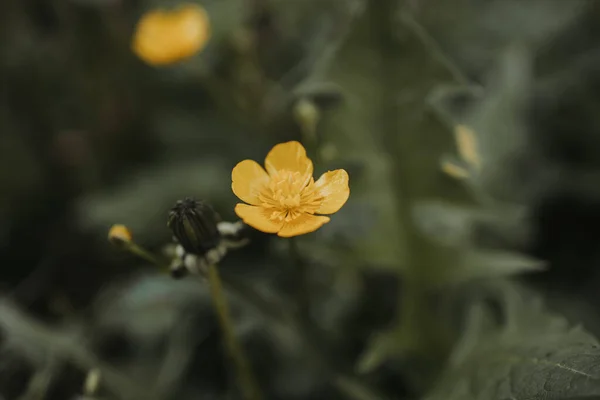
(306, 112)
(194, 225)
(119, 235)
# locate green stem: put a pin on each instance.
(139, 251)
(348, 385)
(249, 387)
(143, 253)
(434, 48)
(413, 333)
(301, 282)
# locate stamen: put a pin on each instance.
(289, 195)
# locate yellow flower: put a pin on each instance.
(285, 198)
(165, 37)
(119, 235)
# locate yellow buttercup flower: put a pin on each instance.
(164, 37)
(285, 198)
(119, 234)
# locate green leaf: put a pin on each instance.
(467, 227)
(355, 131)
(476, 264)
(489, 240)
(451, 102)
(528, 355)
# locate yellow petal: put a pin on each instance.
(454, 170)
(258, 218)
(193, 26)
(289, 156)
(333, 187)
(119, 234)
(165, 37)
(247, 179)
(305, 223)
(466, 140)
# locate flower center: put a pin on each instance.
(289, 195)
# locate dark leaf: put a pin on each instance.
(529, 355)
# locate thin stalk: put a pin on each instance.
(433, 47)
(301, 282)
(248, 385)
(143, 253)
(348, 385)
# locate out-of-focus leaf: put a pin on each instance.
(452, 102)
(349, 128)
(510, 169)
(142, 203)
(151, 305)
(501, 131)
(529, 354)
(353, 223)
(489, 264)
(384, 107)
(454, 167)
(475, 32)
(314, 37)
(487, 240)
(449, 225)
(504, 228)
(382, 347)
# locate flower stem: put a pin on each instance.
(249, 387)
(143, 253)
(348, 385)
(301, 282)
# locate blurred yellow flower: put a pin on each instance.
(468, 149)
(119, 234)
(164, 37)
(284, 198)
(466, 140)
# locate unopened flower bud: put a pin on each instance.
(306, 112)
(194, 225)
(119, 235)
(307, 115)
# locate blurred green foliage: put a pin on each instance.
(421, 286)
